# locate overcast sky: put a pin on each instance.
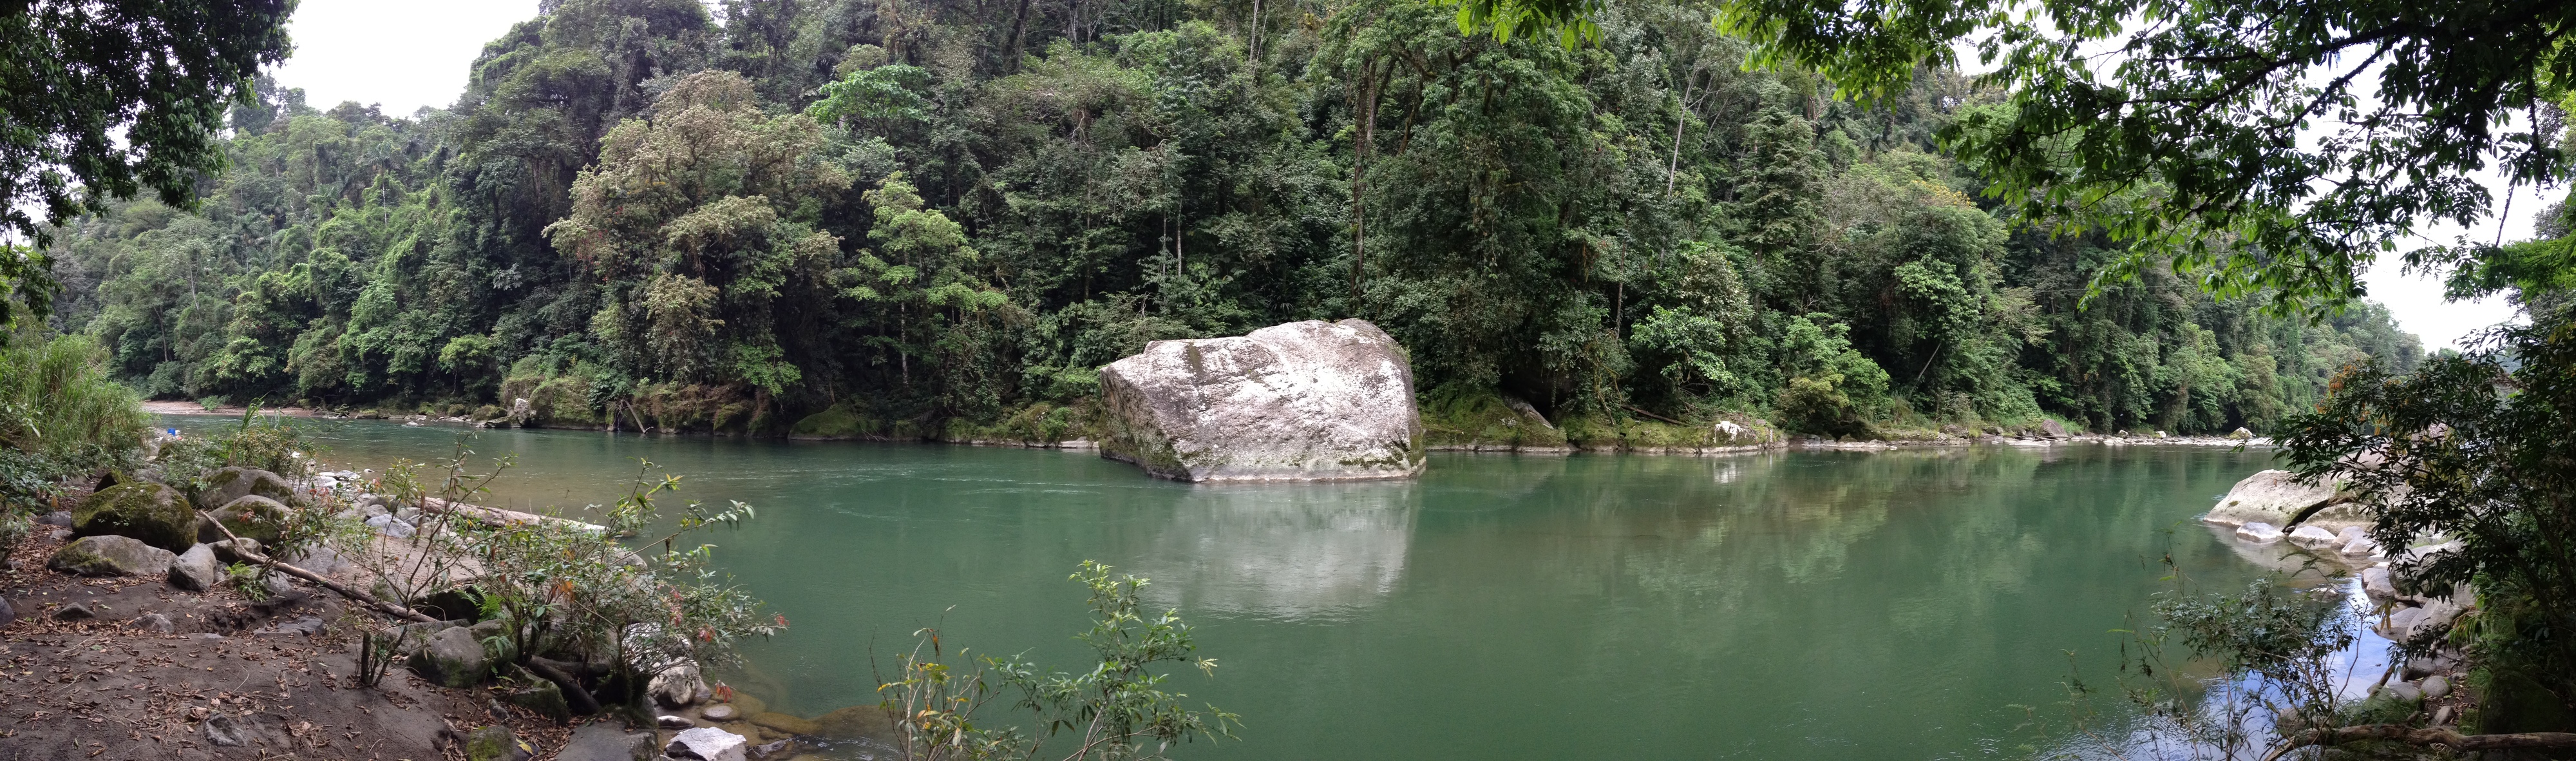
(405, 56)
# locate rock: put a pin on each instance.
(2437, 686)
(250, 517)
(786, 723)
(308, 626)
(2272, 496)
(2417, 668)
(152, 622)
(452, 657)
(75, 612)
(410, 638)
(2312, 537)
(387, 525)
(720, 712)
(674, 722)
(2404, 691)
(856, 722)
(2403, 620)
(275, 583)
(2258, 532)
(235, 550)
(2376, 581)
(497, 743)
(2350, 533)
(677, 685)
(748, 704)
(145, 511)
(1304, 401)
(8, 613)
(536, 694)
(706, 744)
(229, 731)
(60, 534)
(605, 742)
(2051, 428)
(2436, 615)
(766, 749)
(234, 483)
(2240, 434)
(61, 518)
(196, 569)
(112, 556)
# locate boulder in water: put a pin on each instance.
(2313, 537)
(1304, 401)
(2272, 496)
(2258, 532)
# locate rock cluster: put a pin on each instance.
(1304, 401)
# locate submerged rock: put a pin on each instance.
(1304, 401)
(2313, 537)
(112, 556)
(2258, 532)
(2272, 496)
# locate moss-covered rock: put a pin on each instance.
(146, 511)
(856, 722)
(786, 723)
(112, 556)
(497, 743)
(253, 516)
(234, 483)
(529, 691)
(1483, 419)
(842, 420)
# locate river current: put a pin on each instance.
(1915, 604)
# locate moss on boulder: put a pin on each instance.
(112, 556)
(234, 483)
(150, 512)
(253, 516)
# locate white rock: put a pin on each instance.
(707, 744)
(2376, 581)
(674, 722)
(1304, 401)
(2258, 532)
(2358, 548)
(389, 526)
(677, 685)
(2312, 537)
(2272, 496)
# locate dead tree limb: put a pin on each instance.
(255, 556)
(2426, 736)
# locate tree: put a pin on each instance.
(117, 97)
(2273, 148)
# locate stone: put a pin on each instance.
(8, 613)
(2359, 548)
(391, 526)
(766, 749)
(674, 722)
(112, 556)
(605, 742)
(2313, 538)
(75, 612)
(196, 569)
(61, 518)
(856, 722)
(2437, 686)
(308, 626)
(786, 723)
(2272, 496)
(1304, 401)
(235, 550)
(236, 482)
(707, 744)
(2436, 615)
(2258, 532)
(677, 685)
(2403, 620)
(149, 512)
(410, 638)
(720, 712)
(2376, 581)
(2404, 691)
(152, 622)
(453, 658)
(748, 704)
(275, 583)
(2052, 429)
(252, 517)
(224, 731)
(497, 743)
(537, 694)
(2240, 434)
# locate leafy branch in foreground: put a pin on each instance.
(1117, 710)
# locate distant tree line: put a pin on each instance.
(921, 213)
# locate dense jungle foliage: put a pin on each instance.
(940, 217)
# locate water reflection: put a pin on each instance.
(1303, 551)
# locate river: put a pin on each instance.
(1915, 604)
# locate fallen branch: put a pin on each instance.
(2429, 736)
(497, 516)
(243, 550)
(1633, 408)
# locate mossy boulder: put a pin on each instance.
(497, 743)
(536, 694)
(112, 556)
(786, 723)
(146, 511)
(452, 658)
(252, 516)
(234, 483)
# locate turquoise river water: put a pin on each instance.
(1920, 604)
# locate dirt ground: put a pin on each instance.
(277, 679)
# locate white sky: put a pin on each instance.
(401, 55)
(404, 57)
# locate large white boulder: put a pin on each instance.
(1305, 401)
(2272, 496)
(706, 744)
